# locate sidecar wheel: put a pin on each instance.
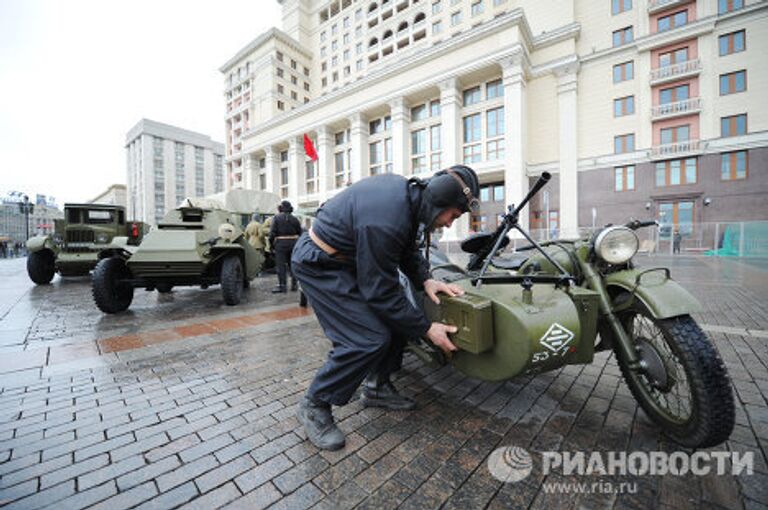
(685, 388)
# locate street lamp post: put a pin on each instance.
(26, 208)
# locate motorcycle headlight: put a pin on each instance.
(616, 245)
(102, 238)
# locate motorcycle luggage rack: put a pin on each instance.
(561, 280)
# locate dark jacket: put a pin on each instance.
(374, 223)
(284, 224)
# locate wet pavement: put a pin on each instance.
(185, 402)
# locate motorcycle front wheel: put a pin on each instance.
(682, 385)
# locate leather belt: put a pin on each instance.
(327, 248)
(286, 237)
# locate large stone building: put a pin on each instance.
(644, 108)
(167, 164)
(43, 212)
(117, 194)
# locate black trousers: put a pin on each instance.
(283, 249)
(362, 343)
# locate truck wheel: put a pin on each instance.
(684, 386)
(232, 279)
(41, 267)
(110, 293)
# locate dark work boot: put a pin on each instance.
(318, 423)
(280, 289)
(380, 392)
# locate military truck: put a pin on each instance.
(87, 233)
(200, 243)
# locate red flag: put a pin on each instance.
(309, 148)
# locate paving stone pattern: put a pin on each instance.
(209, 421)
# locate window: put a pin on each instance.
(624, 178)
(732, 83)
(624, 72)
(437, 27)
(622, 36)
(675, 134)
(346, 39)
(724, 6)
(477, 8)
(437, 7)
(671, 21)
(335, 61)
(306, 71)
(346, 22)
(334, 45)
(472, 96)
(280, 89)
(676, 172)
(624, 106)
(279, 56)
(279, 72)
(419, 113)
(381, 156)
(434, 147)
(624, 143)
(359, 48)
(346, 55)
(359, 65)
(455, 18)
(674, 94)
(284, 182)
(323, 51)
(734, 165)
(619, 6)
(675, 215)
(294, 80)
(322, 36)
(734, 42)
(418, 151)
(496, 3)
(380, 125)
(306, 86)
(472, 137)
(495, 134)
(434, 108)
(494, 89)
(734, 125)
(293, 64)
(293, 95)
(673, 57)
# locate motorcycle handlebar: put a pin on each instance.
(635, 224)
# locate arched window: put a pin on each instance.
(419, 17)
(373, 7)
(402, 26)
(373, 42)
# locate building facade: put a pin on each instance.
(642, 108)
(41, 217)
(117, 194)
(165, 165)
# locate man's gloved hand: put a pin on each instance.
(438, 335)
(432, 287)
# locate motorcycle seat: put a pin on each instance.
(509, 262)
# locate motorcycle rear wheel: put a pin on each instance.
(685, 388)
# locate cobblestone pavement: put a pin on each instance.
(184, 402)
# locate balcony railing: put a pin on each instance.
(675, 71)
(670, 150)
(660, 5)
(676, 109)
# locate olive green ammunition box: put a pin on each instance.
(473, 315)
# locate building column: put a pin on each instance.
(250, 172)
(295, 168)
(515, 136)
(567, 84)
(401, 119)
(358, 165)
(324, 161)
(450, 120)
(271, 167)
(450, 131)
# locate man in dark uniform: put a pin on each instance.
(348, 268)
(283, 233)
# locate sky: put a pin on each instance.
(77, 75)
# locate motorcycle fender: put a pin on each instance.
(38, 243)
(663, 296)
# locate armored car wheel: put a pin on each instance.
(41, 266)
(232, 279)
(164, 288)
(110, 292)
(683, 385)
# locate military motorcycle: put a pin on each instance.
(571, 298)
